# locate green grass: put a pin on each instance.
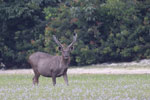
(82, 87)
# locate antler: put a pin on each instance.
(74, 40)
(55, 39)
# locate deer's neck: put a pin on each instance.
(65, 62)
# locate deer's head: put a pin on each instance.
(65, 50)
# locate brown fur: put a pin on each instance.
(51, 66)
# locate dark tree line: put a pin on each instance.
(108, 30)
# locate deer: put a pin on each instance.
(52, 66)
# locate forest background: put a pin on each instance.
(108, 30)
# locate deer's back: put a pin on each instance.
(37, 56)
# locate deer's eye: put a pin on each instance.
(60, 48)
(71, 48)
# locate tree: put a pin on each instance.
(108, 30)
(21, 29)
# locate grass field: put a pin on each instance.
(82, 87)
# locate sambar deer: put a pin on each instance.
(51, 66)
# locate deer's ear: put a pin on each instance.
(60, 48)
(71, 48)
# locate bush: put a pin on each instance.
(108, 30)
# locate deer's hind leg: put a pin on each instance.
(36, 77)
(54, 78)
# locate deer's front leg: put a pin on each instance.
(66, 78)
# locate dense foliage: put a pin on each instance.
(22, 23)
(108, 30)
